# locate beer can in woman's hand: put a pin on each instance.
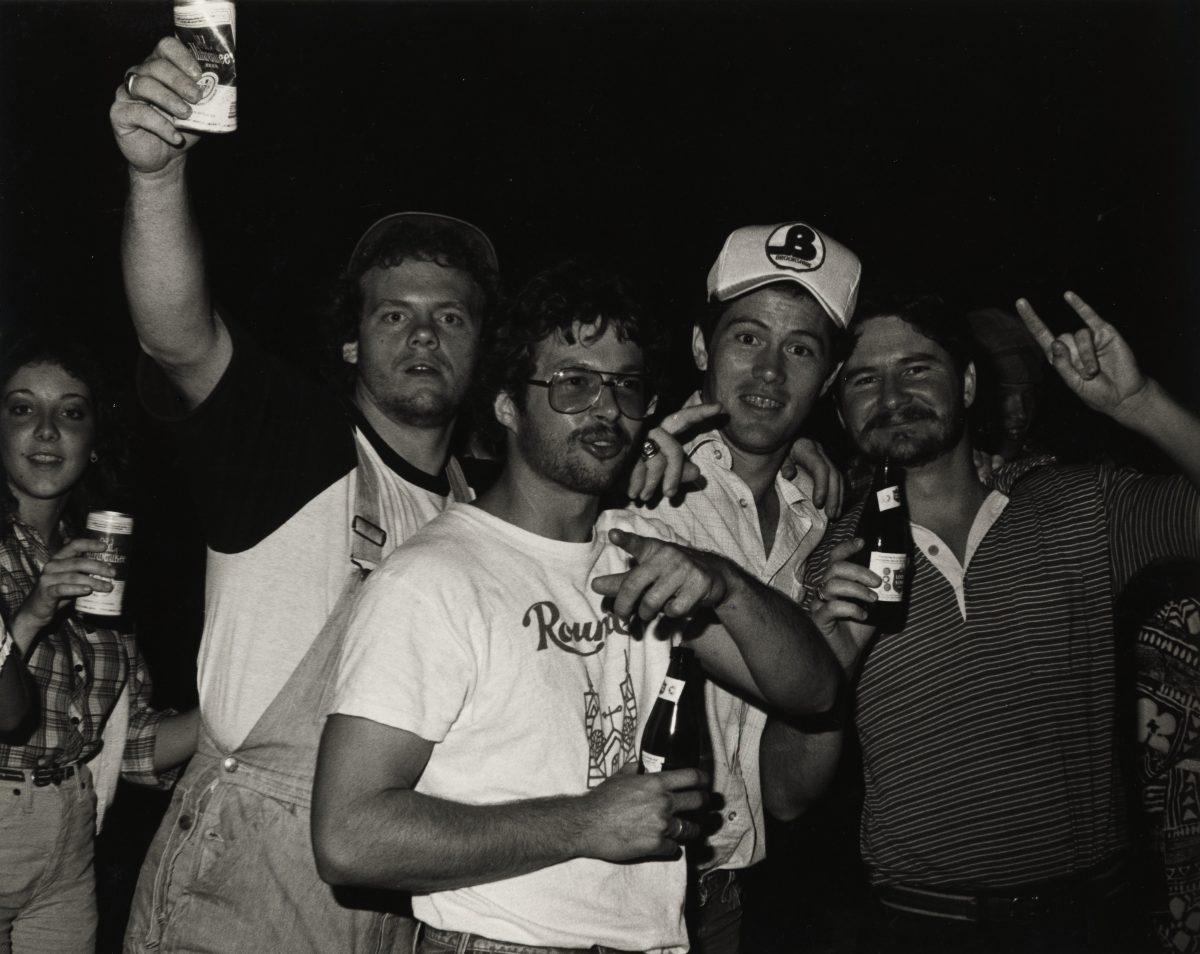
(207, 29)
(114, 532)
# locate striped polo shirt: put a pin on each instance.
(987, 725)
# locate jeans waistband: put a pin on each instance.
(458, 942)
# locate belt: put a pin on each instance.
(39, 776)
(1018, 903)
(458, 941)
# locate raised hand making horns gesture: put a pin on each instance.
(1095, 362)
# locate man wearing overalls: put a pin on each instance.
(301, 492)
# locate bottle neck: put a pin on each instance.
(888, 474)
(681, 662)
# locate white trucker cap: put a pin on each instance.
(757, 255)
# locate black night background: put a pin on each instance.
(985, 150)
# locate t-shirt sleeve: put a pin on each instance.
(405, 661)
(1149, 518)
(266, 441)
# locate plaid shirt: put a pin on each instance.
(80, 672)
(6, 643)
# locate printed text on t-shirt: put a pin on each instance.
(582, 639)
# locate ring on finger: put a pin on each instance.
(130, 76)
(650, 448)
(675, 829)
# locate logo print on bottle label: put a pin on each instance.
(671, 690)
(891, 567)
(652, 763)
(888, 498)
(796, 246)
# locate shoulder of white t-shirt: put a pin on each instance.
(446, 539)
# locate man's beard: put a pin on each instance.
(919, 446)
(572, 468)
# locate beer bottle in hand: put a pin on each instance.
(671, 739)
(887, 547)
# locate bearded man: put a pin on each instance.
(994, 817)
(500, 665)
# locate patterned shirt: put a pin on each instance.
(721, 517)
(80, 672)
(987, 724)
(1167, 767)
(6, 643)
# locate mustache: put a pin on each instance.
(599, 432)
(906, 415)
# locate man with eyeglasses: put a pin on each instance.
(500, 666)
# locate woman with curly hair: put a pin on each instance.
(60, 455)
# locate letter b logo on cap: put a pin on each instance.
(796, 246)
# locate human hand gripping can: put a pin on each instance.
(114, 532)
(207, 29)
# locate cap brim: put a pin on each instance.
(744, 288)
(472, 233)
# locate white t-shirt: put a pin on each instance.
(270, 455)
(264, 606)
(489, 641)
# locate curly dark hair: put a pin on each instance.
(102, 479)
(556, 301)
(407, 240)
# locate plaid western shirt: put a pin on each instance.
(6, 643)
(80, 672)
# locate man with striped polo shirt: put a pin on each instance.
(994, 817)
(779, 297)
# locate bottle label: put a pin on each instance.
(653, 764)
(888, 498)
(671, 690)
(892, 568)
(103, 604)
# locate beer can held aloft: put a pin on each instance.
(207, 29)
(115, 532)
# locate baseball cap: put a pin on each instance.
(378, 233)
(757, 255)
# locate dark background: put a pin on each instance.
(985, 150)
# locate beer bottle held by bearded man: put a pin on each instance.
(887, 547)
